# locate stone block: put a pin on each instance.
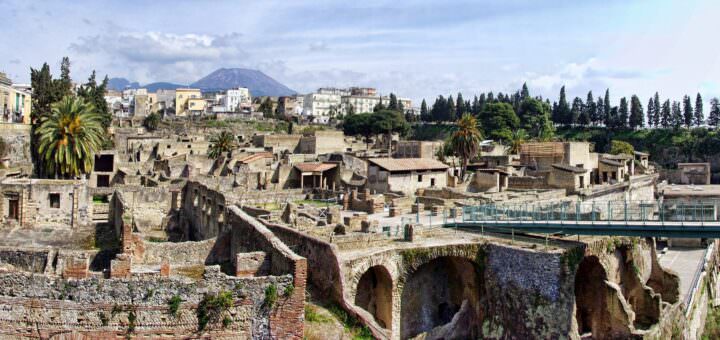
(251, 264)
(417, 207)
(165, 268)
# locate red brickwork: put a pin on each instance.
(120, 267)
(287, 320)
(165, 268)
(76, 268)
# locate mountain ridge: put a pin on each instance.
(221, 79)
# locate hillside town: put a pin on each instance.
(378, 170)
(220, 214)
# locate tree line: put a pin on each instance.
(593, 111)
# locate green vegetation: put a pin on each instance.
(667, 147)
(174, 305)
(312, 315)
(289, 289)
(132, 318)
(152, 121)
(351, 324)
(220, 144)
(380, 122)
(465, 141)
(271, 295)
(317, 203)
(572, 258)
(69, 137)
(212, 307)
(104, 320)
(619, 147)
(712, 323)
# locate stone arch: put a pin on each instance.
(444, 291)
(375, 294)
(600, 309)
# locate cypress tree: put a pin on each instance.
(606, 108)
(600, 111)
(677, 115)
(656, 116)
(651, 112)
(687, 111)
(524, 93)
(714, 116)
(475, 106)
(589, 109)
(460, 106)
(699, 117)
(577, 112)
(666, 119)
(563, 109)
(636, 113)
(424, 114)
(623, 113)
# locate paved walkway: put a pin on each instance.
(684, 262)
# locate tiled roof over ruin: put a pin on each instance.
(611, 162)
(408, 164)
(314, 167)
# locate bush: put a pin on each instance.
(212, 307)
(619, 147)
(271, 295)
(174, 305)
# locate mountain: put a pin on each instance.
(119, 84)
(258, 83)
(152, 87)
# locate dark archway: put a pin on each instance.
(435, 292)
(589, 295)
(374, 294)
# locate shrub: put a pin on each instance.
(271, 295)
(174, 305)
(212, 307)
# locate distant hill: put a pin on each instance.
(222, 79)
(259, 83)
(152, 87)
(119, 84)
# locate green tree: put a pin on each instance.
(651, 112)
(449, 110)
(623, 114)
(466, 140)
(499, 121)
(393, 103)
(578, 108)
(590, 109)
(424, 113)
(388, 121)
(666, 116)
(359, 125)
(460, 108)
(220, 144)
(518, 138)
(606, 109)
(699, 117)
(687, 111)
(658, 110)
(618, 147)
(69, 137)
(562, 116)
(524, 93)
(152, 121)
(266, 108)
(677, 115)
(64, 84)
(636, 113)
(95, 94)
(714, 116)
(535, 119)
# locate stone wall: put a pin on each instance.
(38, 306)
(17, 137)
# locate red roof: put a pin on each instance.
(408, 164)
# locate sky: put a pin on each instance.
(416, 49)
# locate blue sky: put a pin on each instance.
(418, 49)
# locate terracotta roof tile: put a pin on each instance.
(408, 164)
(314, 167)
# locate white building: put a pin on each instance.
(235, 100)
(322, 106)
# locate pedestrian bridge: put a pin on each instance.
(677, 219)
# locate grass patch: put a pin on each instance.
(312, 315)
(271, 295)
(316, 203)
(174, 305)
(351, 324)
(155, 239)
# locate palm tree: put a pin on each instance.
(152, 121)
(465, 140)
(69, 137)
(219, 144)
(518, 138)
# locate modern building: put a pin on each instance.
(182, 101)
(322, 105)
(15, 102)
(234, 100)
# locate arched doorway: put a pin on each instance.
(437, 291)
(374, 294)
